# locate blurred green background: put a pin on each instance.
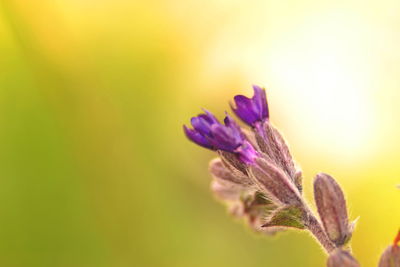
(95, 169)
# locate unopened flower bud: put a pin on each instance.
(332, 209)
(391, 256)
(341, 258)
(271, 142)
(275, 183)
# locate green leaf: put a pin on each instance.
(288, 216)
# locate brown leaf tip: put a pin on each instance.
(396, 240)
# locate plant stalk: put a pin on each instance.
(315, 227)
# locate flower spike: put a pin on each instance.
(256, 177)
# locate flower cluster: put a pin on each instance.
(255, 173)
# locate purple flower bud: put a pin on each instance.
(201, 129)
(252, 110)
(341, 258)
(208, 132)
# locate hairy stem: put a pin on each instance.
(315, 227)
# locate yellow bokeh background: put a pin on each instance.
(95, 169)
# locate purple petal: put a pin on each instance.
(252, 110)
(247, 153)
(197, 138)
(260, 100)
(201, 125)
(208, 132)
(245, 109)
(209, 116)
(231, 123)
(224, 138)
(234, 128)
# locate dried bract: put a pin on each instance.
(332, 209)
(341, 258)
